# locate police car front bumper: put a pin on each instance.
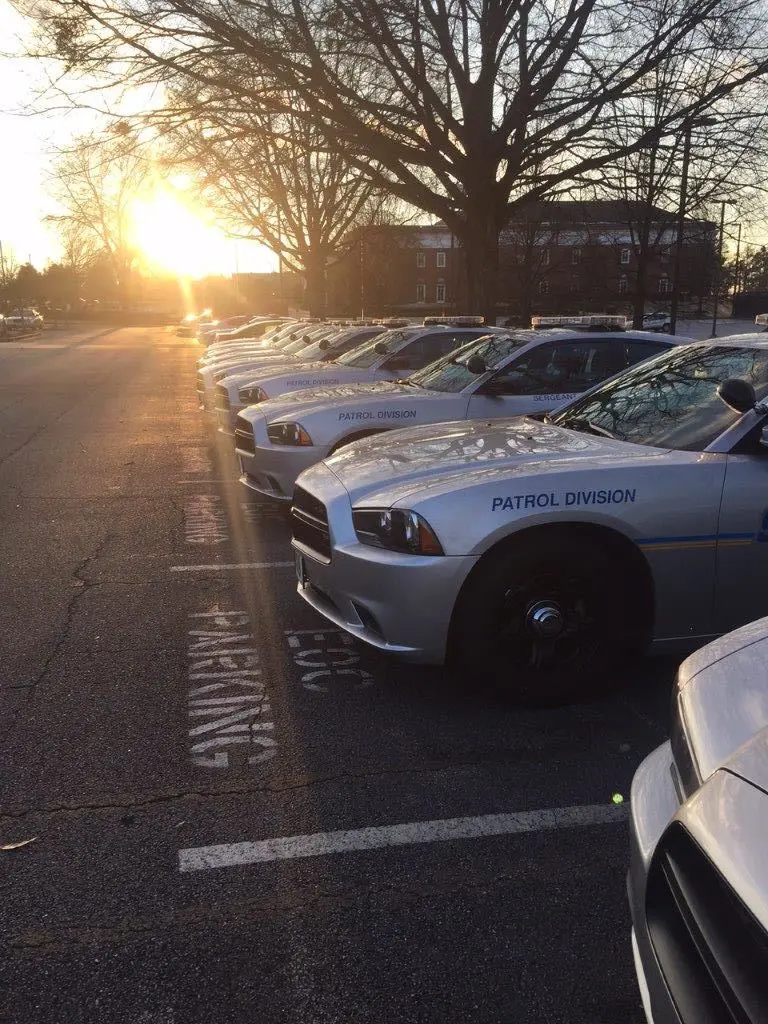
(272, 470)
(226, 419)
(398, 603)
(654, 802)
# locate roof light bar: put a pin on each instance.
(393, 321)
(454, 321)
(589, 320)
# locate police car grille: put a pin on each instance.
(712, 952)
(244, 440)
(222, 398)
(309, 519)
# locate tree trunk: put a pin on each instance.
(314, 276)
(479, 237)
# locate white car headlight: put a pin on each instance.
(291, 434)
(396, 529)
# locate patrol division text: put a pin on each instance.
(550, 499)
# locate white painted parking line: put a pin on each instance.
(221, 566)
(379, 837)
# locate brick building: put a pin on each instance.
(556, 257)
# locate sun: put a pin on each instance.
(172, 236)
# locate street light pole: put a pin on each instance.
(680, 229)
(718, 269)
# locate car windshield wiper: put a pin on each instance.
(588, 426)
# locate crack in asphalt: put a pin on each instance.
(172, 796)
(84, 585)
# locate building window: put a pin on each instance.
(440, 292)
(421, 259)
(421, 292)
(573, 288)
(623, 284)
(625, 257)
(576, 254)
(664, 285)
(664, 254)
(440, 259)
(544, 287)
(545, 257)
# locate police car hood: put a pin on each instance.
(723, 704)
(253, 376)
(444, 456)
(352, 384)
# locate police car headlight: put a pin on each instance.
(252, 396)
(292, 434)
(396, 529)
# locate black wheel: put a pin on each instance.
(543, 621)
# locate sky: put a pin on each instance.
(173, 232)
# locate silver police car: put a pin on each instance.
(504, 374)
(271, 457)
(541, 552)
(698, 879)
(299, 370)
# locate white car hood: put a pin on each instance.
(427, 457)
(300, 403)
(723, 696)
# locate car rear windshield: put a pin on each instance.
(365, 355)
(670, 401)
(450, 373)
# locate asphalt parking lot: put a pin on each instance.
(201, 761)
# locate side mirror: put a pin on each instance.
(476, 364)
(764, 434)
(381, 348)
(738, 394)
(306, 339)
(324, 344)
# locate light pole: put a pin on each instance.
(718, 269)
(701, 122)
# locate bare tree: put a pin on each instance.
(463, 110)
(94, 181)
(725, 160)
(269, 176)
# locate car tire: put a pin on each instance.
(544, 621)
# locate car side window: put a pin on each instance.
(424, 350)
(639, 350)
(559, 367)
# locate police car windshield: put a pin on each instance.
(365, 355)
(670, 401)
(450, 373)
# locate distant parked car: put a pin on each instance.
(24, 319)
(661, 322)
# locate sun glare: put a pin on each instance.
(172, 237)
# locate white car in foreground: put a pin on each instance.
(541, 553)
(507, 373)
(698, 878)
